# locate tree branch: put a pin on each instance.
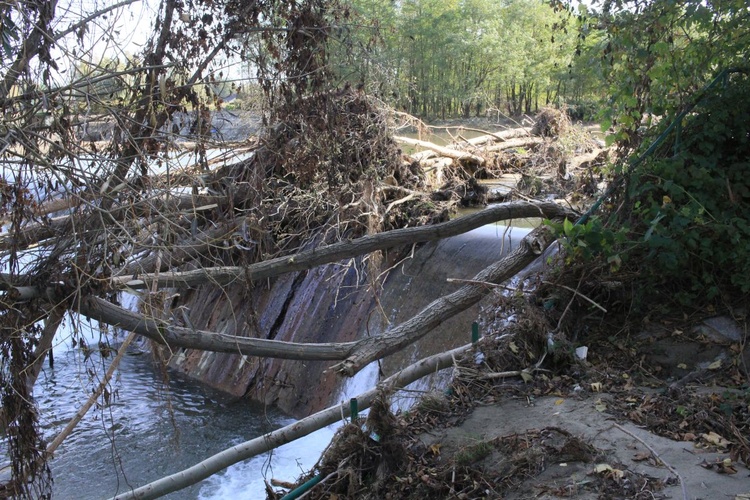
(347, 249)
(164, 332)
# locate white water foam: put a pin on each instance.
(245, 480)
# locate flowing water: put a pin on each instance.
(151, 429)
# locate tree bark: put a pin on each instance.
(308, 425)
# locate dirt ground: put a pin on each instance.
(620, 452)
(658, 415)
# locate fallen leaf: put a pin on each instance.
(513, 347)
(600, 406)
(609, 470)
(682, 366)
(716, 440)
(596, 386)
(600, 468)
(742, 496)
(715, 365)
(559, 401)
(640, 457)
(435, 449)
(727, 467)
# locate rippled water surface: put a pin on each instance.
(150, 429)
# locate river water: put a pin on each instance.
(152, 428)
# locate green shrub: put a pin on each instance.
(692, 201)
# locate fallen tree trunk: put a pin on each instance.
(355, 354)
(408, 332)
(500, 136)
(347, 249)
(457, 155)
(522, 142)
(272, 440)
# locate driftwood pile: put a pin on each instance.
(550, 158)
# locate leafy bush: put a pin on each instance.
(692, 201)
(682, 232)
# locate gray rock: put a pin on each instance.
(721, 330)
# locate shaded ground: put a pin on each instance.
(664, 413)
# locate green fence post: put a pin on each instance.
(354, 410)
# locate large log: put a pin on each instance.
(521, 142)
(461, 156)
(500, 136)
(347, 249)
(355, 355)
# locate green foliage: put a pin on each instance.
(692, 202)
(590, 240)
(656, 55)
(438, 58)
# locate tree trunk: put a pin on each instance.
(398, 337)
(461, 156)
